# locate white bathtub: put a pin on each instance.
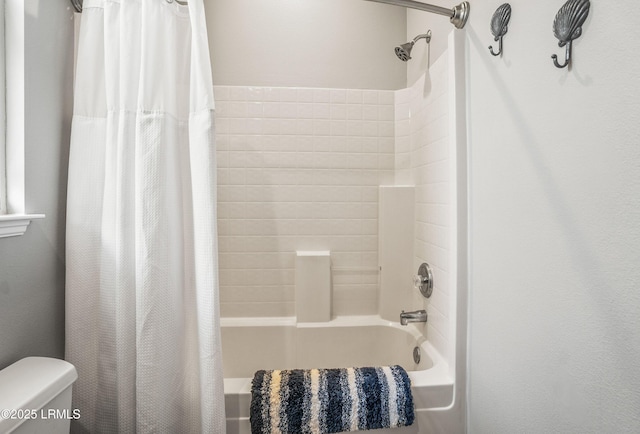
(250, 344)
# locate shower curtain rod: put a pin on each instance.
(77, 4)
(457, 15)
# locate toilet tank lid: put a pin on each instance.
(32, 382)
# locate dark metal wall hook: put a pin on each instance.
(567, 57)
(499, 26)
(499, 47)
(567, 26)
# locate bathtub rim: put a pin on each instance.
(432, 387)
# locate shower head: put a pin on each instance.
(404, 51)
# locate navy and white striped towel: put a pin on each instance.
(319, 401)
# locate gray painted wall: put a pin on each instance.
(32, 266)
(313, 43)
(423, 55)
(554, 155)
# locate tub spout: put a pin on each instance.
(415, 316)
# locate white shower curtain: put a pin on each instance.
(142, 313)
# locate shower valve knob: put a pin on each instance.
(418, 280)
(424, 280)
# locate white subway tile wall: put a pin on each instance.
(299, 169)
(422, 159)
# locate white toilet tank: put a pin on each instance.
(35, 396)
